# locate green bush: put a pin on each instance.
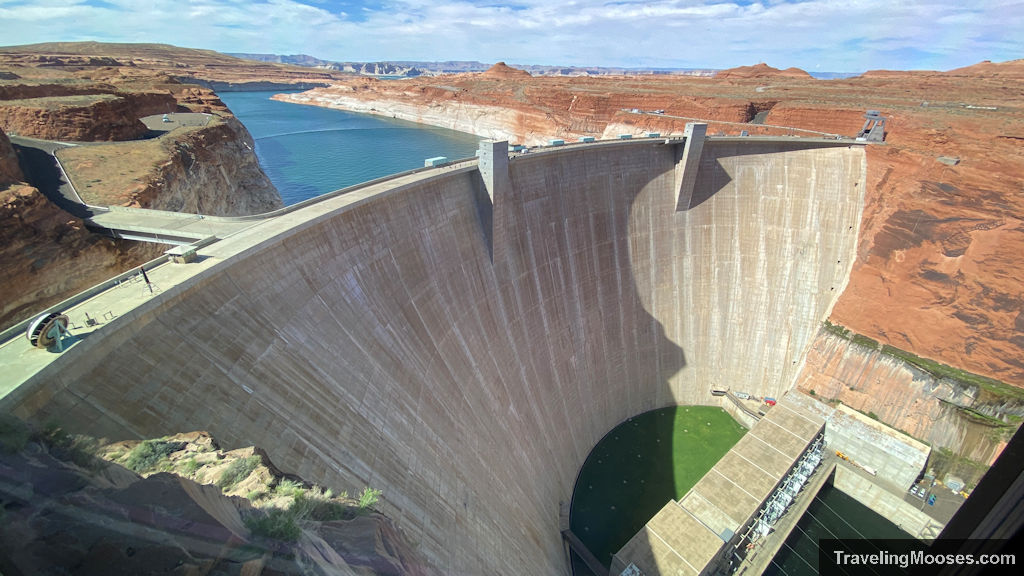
(14, 434)
(191, 467)
(80, 450)
(149, 453)
(368, 498)
(237, 471)
(288, 488)
(865, 341)
(274, 523)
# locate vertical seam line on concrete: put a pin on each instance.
(669, 546)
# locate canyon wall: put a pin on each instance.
(946, 413)
(532, 117)
(466, 365)
(10, 171)
(211, 171)
(47, 255)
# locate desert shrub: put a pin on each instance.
(80, 450)
(288, 488)
(274, 523)
(322, 507)
(191, 467)
(237, 471)
(149, 453)
(14, 434)
(368, 498)
(330, 510)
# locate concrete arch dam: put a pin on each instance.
(464, 354)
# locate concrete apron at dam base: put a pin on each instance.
(463, 347)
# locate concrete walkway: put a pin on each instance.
(163, 227)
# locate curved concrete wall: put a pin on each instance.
(379, 343)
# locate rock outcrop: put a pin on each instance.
(212, 171)
(47, 255)
(207, 169)
(10, 171)
(88, 117)
(67, 511)
(965, 419)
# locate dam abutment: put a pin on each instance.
(380, 340)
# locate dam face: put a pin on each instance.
(466, 367)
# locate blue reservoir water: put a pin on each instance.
(308, 151)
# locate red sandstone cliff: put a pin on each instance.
(47, 255)
(10, 171)
(87, 117)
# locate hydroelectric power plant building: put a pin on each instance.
(461, 337)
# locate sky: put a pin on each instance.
(815, 35)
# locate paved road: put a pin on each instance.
(45, 173)
(42, 171)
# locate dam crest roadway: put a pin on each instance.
(461, 337)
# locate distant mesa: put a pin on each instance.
(761, 71)
(503, 71)
(986, 68)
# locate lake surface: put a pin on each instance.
(307, 151)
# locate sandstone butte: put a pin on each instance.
(940, 246)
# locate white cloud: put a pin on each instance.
(815, 34)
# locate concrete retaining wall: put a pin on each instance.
(895, 456)
(379, 344)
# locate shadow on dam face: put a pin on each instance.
(375, 340)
